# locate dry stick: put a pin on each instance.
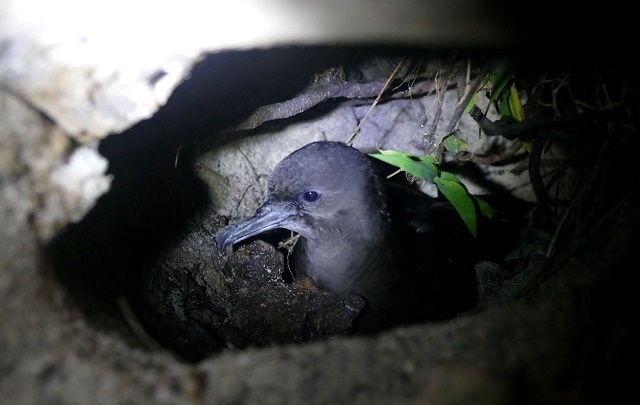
(556, 233)
(545, 270)
(462, 104)
(175, 164)
(289, 244)
(394, 173)
(308, 98)
(440, 90)
(384, 88)
(586, 186)
(492, 159)
(135, 324)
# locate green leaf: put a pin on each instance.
(427, 159)
(500, 79)
(472, 102)
(515, 106)
(454, 144)
(461, 201)
(450, 176)
(484, 207)
(505, 110)
(392, 157)
(418, 168)
(430, 164)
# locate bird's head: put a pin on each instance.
(315, 190)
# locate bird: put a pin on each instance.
(408, 255)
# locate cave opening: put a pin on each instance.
(156, 198)
(144, 260)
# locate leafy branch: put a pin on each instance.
(500, 83)
(426, 167)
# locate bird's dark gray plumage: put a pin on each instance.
(405, 253)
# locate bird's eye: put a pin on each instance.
(310, 196)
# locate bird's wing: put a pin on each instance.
(438, 252)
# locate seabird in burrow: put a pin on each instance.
(408, 255)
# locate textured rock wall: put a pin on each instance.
(65, 84)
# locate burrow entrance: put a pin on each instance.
(144, 260)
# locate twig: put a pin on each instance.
(394, 173)
(175, 164)
(308, 98)
(135, 325)
(440, 89)
(289, 244)
(375, 102)
(535, 176)
(495, 158)
(569, 209)
(462, 104)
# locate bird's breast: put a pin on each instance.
(344, 268)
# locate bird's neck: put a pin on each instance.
(344, 258)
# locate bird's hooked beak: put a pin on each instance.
(266, 218)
